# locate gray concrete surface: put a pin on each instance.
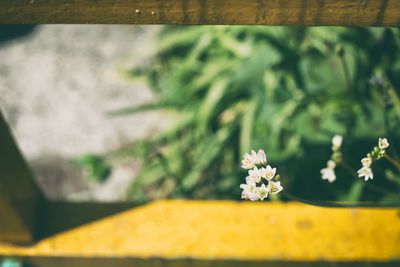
(56, 85)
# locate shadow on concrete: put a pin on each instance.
(9, 32)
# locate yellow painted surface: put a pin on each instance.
(235, 230)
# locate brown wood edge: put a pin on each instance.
(204, 12)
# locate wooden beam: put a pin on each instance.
(227, 230)
(19, 195)
(200, 12)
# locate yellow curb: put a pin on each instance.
(231, 230)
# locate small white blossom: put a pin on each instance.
(366, 172)
(274, 187)
(247, 162)
(249, 189)
(254, 156)
(383, 143)
(331, 164)
(250, 180)
(262, 192)
(328, 174)
(261, 157)
(366, 162)
(268, 172)
(337, 141)
(255, 174)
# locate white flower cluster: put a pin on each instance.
(374, 155)
(328, 173)
(259, 172)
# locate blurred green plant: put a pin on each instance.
(94, 167)
(287, 90)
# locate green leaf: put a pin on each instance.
(94, 166)
(205, 155)
(354, 194)
(247, 127)
(141, 108)
(210, 103)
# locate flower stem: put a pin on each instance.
(370, 186)
(335, 204)
(386, 105)
(395, 163)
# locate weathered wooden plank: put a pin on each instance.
(199, 12)
(19, 196)
(220, 230)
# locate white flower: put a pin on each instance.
(247, 162)
(250, 180)
(249, 189)
(261, 158)
(337, 141)
(254, 156)
(328, 174)
(366, 162)
(367, 172)
(331, 164)
(255, 174)
(274, 187)
(383, 143)
(262, 192)
(268, 172)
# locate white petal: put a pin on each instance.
(253, 155)
(331, 164)
(247, 162)
(383, 143)
(250, 181)
(255, 174)
(263, 192)
(328, 174)
(245, 194)
(261, 157)
(366, 172)
(270, 172)
(253, 196)
(264, 173)
(366, 162)
(337, 141)
(275, 187)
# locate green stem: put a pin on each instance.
(337, 204)
(370, 186)
(395, 163)
(350, 96)
(388, 132)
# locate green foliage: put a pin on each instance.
(287, 90)
(94, 167)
